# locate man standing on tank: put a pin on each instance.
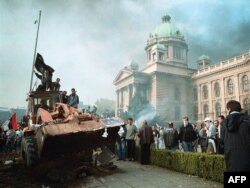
(73, 99)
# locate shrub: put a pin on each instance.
(209, 166)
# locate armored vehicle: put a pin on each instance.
(54, 129)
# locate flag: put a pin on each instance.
(5, 125)
(13, 123)
(41, 66)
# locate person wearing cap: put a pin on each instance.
(73, 99)
(211, 134)
(187, 135)
(236, 136)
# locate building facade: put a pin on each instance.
(172, 88)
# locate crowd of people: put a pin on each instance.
(228, 136)
(189, 137)
(10, 140)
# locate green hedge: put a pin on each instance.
(207, 166)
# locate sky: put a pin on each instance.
(89, 42)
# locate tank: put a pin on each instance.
(54, 130)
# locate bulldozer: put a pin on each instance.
(54, 129)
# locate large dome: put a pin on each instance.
(166, 29)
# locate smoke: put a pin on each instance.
(88, 42)
(221, 33)
(147, 114)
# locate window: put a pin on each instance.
(177, 113)
(230, 87)
(205, 92)
(178, 54)
(177, 94)
(195, 94)
(246, 105)
(161, 56)
(149, 55)
(154, 56)
(217, 89)
(217, 109)
(245, 83)
(166, 51)
(205, 110)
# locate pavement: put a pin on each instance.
(134, 175)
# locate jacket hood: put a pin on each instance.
(232, 122)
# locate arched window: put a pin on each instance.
(205, 92)
(217, 89)
(205, 110)
(195, 94)
(217, 109)
(246, 105)
(245, 83)
(177, 113)
(230, 86)
(177, 94)
(161, 56)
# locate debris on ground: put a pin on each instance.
(61, 172)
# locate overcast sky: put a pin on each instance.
(89, 42)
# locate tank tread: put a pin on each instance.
(29, 151)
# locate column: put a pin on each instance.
(117, 103)
(237, 89)
(210, 102)
(199, 98)
(223, 96)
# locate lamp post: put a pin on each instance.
(34, 57)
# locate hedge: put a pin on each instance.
(209, 166)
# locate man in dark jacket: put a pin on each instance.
(187, 135)
(146, 139)
(236, 136)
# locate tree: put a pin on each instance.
(105, 107)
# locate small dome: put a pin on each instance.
(133, 66)
(204, 57)
(166, 29)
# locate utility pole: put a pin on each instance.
(34, 58)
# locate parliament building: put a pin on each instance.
(174, 89)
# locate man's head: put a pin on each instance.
(233, 105)
(185, 121)
(130, 121)
(220, 119)
(216, 123)
(58, 80)
(185, 118)
(170, 124)
(73, 91)
(46, 73)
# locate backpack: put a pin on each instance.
(168, 137)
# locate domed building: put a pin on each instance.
(174, 89)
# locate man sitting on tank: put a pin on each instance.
(43, 105)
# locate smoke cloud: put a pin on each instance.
(88, 42)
